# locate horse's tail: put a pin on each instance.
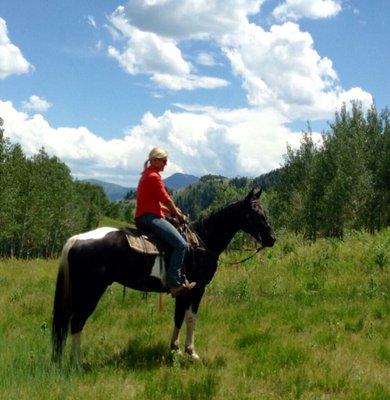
(62, 303)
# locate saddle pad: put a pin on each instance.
(142, 244)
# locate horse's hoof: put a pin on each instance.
(193, 355)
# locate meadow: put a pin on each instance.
(300, 321)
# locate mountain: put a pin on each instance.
(179, 181)
(113, 191)
(117, 192)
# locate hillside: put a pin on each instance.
(113, 191)
(194, 199)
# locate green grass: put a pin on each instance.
(302, 321)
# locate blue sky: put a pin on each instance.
(222, 86)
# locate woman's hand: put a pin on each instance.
(181, 216)
(175, 211)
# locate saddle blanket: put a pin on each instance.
(142, 244)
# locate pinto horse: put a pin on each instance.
(92, 261)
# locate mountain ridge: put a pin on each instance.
(117, 192)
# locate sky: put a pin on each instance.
(222, 85)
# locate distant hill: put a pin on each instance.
(117, 192)
(179, 181)
(113, 191)
(206, 186)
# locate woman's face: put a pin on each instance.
(159, 163)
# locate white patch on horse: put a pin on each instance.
(190, 335)
(159, 270)
(98, 233)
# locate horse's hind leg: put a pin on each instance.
(82, 309)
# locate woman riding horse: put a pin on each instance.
(153, 202)
(92, 261)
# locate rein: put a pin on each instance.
(245, 259)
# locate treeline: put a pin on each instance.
(322, 189)
(40, 204)
(213, 191)
(342, 184)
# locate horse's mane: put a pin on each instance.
(220, 215)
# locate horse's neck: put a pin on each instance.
(218, 229)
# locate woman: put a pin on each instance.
(153, 202)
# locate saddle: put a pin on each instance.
(148, 243)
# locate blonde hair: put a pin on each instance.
(156, 152)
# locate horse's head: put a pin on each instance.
(254, 221)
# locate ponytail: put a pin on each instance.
(145, 165)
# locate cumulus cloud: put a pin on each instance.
(282, 74)
(297, 9)
(36, 104)
(199, 140)
(11, 59)
(148, 53)
(187, 19)
(279, 68)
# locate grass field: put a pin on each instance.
(301, 321)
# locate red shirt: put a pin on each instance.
(151, 193)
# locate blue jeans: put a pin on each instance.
(169, 234)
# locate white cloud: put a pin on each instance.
(99, 45)
(36, 104)
(91, 21)
(188, 82)
(206, 59)
(199, 140)
(11, 59)
(188, 19)
(296, 9)
(148, 53)
(281, 69)
(284, 78)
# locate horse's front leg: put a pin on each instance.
(196, 297)
(182, 303)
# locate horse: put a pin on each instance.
(92, 261)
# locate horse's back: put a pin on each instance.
(104, 253)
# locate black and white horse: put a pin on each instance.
(92, 261)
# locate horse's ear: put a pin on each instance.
(250, 195)
(258, 194)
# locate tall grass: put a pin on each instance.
(301, 321)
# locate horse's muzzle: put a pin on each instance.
(268, 241)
